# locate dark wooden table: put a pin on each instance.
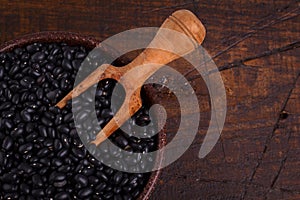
(256, 44)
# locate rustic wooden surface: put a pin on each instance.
(255, 43)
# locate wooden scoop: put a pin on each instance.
(144, 65)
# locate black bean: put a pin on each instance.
(39, 56)
(76, 64)
(24, 96)
(32, 97)
(62, 196)
(32, 136)
(4, 84)
(86, 192)
(52, 95)
(29, 127)
(88, 171)
(7, 143)
(118, 178)
(14, 70)
(50, 66)
(68, 117)
(58, 119)
(79, 167)
(124, 181)
(82, 180)
(66, 64)
(25, 148)
(41, 79)
(57, 176)
(51, 132)
(8, 123)
(43, 131)
(101, 186)
(55, 84)
(59, 184)
(43, 152)
(46, 162)
(57, 71)
(102, 176)
(5, 105)
(37, 180)
(8, 94)
(36, 73)
(79, 153)
(63, 153)
(25, 188)
(80, 55)
(27, 81)
(68, 54)
(46, 121)
(48, 142)
(64, 169)
(57, 144)
(63, 129)
(57, 162)
(25, 116)
(55, 51)
(39, 93)
(16, 98)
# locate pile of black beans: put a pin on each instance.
(41, 154)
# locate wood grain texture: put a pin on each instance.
(255, 43)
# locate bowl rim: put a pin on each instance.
(91, 42)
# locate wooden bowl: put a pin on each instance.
(90, 43)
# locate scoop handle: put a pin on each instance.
(169, 44)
